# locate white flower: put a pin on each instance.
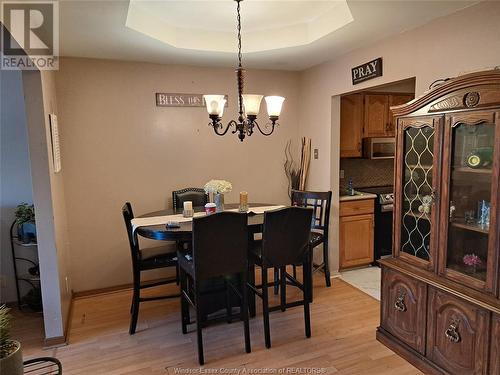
(218, 187)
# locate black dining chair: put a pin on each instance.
(285, 241)
(144, 260)
(195, 195)
(42, 366)
(219, 249)
(320, 202)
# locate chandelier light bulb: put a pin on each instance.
(222, 104)
(274, 104)
(213, 103)
(251, 103)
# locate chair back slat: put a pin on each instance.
(220, 244)
(133, 241)
(195, 195)
(320, 201)
(285, 236)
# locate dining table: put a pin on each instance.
(184, 233)
(214, 297)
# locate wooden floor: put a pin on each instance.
(343, 338)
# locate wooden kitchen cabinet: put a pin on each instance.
(356, 233)
(364, 116)
(351, 125)
(396, 99)
(378, 116)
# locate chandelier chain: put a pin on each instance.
(239, 71)
(239, 32)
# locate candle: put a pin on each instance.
(243, 201)
(188, 209)
(188, 206)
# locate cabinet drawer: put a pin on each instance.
(457, 336)
(403, 303)
(358, 207)
(495, 346)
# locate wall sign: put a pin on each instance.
(367, 71)
(180, 100)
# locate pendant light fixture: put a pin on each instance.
(248, 104)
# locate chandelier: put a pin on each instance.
(248, 104)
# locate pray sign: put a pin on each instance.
(367, 71)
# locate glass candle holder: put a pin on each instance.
(243, 201)
(188, 209)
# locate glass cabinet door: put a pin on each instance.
(471, 143)
(416, 197)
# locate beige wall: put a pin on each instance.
(118, 146)
(467, 40)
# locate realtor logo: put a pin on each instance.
(30, 36)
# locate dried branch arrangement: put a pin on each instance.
(297, 175)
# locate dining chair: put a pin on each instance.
(219, 249)
(144, 260)
(320, 202)
(195, 195)
(285, 241)
(42, 366)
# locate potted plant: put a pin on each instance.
(25, 219)
(11, 356)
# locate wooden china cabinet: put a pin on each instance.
(440, 303)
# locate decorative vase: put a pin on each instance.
(26, 232)
(219, 202)
(471, 269)
(13, 363)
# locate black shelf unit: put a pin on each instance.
(32, 280)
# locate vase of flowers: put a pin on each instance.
(472, 261)
(216, 190)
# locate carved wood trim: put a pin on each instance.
(490, 77)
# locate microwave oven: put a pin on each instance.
(379, 148)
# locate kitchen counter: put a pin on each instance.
(358, 196)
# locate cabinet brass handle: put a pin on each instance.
(399, 305)
(451, 332)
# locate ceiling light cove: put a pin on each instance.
(209, 25)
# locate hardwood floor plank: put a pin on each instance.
(343, 337)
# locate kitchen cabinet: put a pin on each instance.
(366, 115)
(394, 100)
(378, 116)
(446, 225)
(356, 233)
(351, 128)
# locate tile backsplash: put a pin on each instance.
(367, 173)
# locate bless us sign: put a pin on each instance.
(180, 100)
(367, 71)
